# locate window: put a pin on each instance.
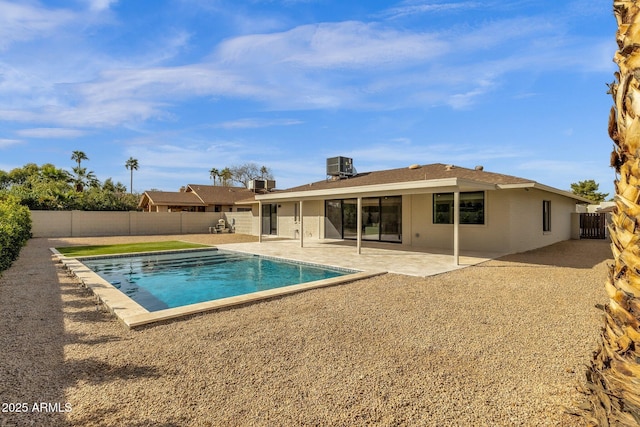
(471, 208)
(381, 219)
(546, 215)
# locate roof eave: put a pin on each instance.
(409, 187)
(546, 188)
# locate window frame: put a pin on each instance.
(449, 213)
(546, 216)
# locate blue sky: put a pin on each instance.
(186, 85)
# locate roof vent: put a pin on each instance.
(479, 168)
(415, 166)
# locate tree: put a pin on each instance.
(214, 174)
(242, 174)
(589, 190)
(79, 156)
(131, 164)
(226, 175)
(84, 178)
(47, 187)
(264, 172)
(613, 378)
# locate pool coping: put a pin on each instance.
(133, 314)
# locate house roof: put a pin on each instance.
(417, 178)
(421, 173)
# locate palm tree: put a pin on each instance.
(225, 176)
(131, 164)
(613, 379)
(79, 156)
(84, 178)
(213, 174)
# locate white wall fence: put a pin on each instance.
(93, 223)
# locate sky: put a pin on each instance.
(185, 86)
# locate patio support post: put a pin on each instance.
(359, 222)
(301, 226)
(456, 227)
(259, 221)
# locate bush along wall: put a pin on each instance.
(15, 229)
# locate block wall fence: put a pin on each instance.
(93, 223)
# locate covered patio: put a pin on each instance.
(370, 256)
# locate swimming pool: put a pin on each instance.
(164, 281)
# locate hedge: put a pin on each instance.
(15, 229)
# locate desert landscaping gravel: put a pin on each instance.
(503, 343)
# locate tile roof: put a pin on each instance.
(421, 173)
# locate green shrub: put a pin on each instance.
(15, 229)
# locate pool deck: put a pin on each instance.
(389, 257)
(133, 314)
(374, 259)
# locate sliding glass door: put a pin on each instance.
(381, 219)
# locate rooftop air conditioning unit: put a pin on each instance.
(257, 184)
(340, 166)
(271, 184)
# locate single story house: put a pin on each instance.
(436, 206)
(196, 198)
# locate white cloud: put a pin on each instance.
(408, 8)
(351, 45)
(100, 5)
(50, 133)
(340, 65)
(257, 123)
(4, 143)
(21, 22)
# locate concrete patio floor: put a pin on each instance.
(391, 258)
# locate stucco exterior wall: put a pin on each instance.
(313, 211)
(491, 236)
(526, 219)
(289, 223)
(286, 224)
(513, 223)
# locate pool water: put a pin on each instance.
(162, 281)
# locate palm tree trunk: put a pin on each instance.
(613, 379)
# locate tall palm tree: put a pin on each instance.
(79, 156)
(225, 176)
(131, 164)
(214, 174)
(613, 379)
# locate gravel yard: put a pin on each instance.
(503, 343)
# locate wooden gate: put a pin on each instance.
(592, 225)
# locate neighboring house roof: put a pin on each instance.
(417, 178)
(196, 195)
(171, 198)
(219, 195)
